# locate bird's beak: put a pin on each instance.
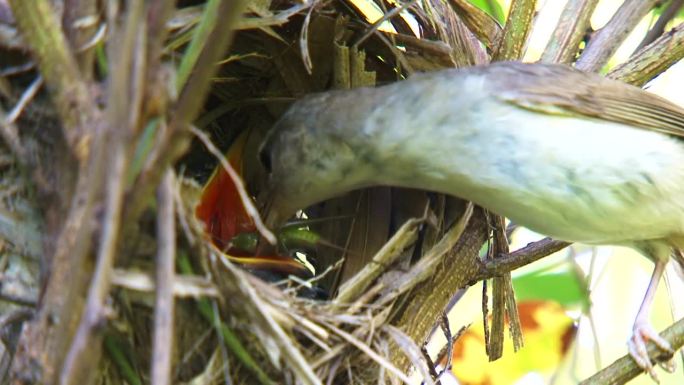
(274, 214)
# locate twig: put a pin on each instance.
(571, 27)
(653, 59)
(82, 356)
(25, 99)
(387, 16)
(625, 368)
(606, 41)
(222, 343)
(444, 325)
(659, 27)
(239, 185)
(18, 299)
(75, 103)
(95, 310)
(448, 354)
(184, 286)
(519, 258)
(17, 69)
(518, 26)
(162, 346)
(10, 135)
(304, 42)
(430, 365)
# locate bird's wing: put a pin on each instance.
(567, 91)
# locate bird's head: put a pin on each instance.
(309, 159)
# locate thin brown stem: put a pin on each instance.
(521, 257)
(162, 343)
(82, 358)
(10, 135)
(571, 27)
(653, 59)
(605, 42)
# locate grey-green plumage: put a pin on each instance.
(568, 154)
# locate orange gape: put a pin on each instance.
(220, 207)
(224, 216)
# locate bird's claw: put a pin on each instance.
(639, 352)
(668, 366)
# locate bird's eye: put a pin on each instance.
(265, 159)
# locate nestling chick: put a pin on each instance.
(568, 154)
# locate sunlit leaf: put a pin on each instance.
(564, 286)
(548, 331)
(492, 7)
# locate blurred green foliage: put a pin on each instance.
(493, 7)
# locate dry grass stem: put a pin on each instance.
(162, 340)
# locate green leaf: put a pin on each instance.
(492, 7)
(562, 285)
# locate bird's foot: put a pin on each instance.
(643, 332)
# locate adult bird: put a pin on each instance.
(569, 154)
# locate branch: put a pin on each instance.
(518, 26)
(123, 109)
(519, 258)
(75, 104)
(659, 27)
(606, 41)
(432, 296)
(571, 27)
(82, 357)
(162, 347)
(625, 368)
(653, 59)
